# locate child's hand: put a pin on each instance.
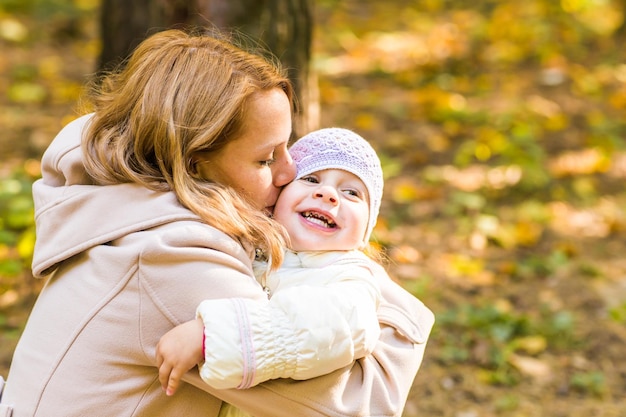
(178, 351)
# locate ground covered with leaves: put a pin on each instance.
(501, 129)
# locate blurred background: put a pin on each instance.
(501, 126)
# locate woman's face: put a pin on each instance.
(256, 164)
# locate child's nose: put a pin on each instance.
(327, 194)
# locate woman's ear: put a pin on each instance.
(192, 166)
(194, 161)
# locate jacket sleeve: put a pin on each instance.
(302, 332)
(375, 385)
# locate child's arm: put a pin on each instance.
(301, 333)
(178, 351)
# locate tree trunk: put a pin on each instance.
(123, 25)
(621, 31)
(284, 27)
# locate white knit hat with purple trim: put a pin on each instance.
(336, 148)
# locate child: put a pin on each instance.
(329, 212)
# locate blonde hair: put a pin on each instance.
(181, 93)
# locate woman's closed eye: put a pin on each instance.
(267, 162)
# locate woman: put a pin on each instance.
(155, 202)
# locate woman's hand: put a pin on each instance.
(178, 351)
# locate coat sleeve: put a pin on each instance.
(302, 332)
(181, 265)
(375, 385)
(178, 273)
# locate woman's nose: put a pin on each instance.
(326, 193)
(285, 172)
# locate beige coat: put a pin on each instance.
(124, 265)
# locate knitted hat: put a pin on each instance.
(336, 148)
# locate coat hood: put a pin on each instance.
(73, 215)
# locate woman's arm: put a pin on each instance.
(376, 385)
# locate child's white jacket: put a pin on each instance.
(296, 333)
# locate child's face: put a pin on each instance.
(326, 210)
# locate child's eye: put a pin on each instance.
(310, 178)
(353, 193)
